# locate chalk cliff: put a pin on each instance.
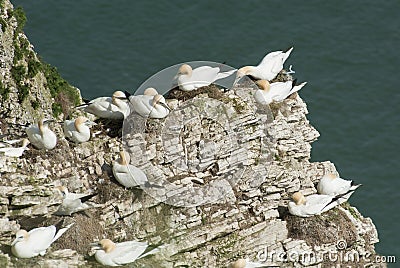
(256, 157)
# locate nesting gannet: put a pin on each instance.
(115, 107)
(191, 79)
(245, 263)
(73, 202)
(127, 175)
(268, 68)
(332, 185)
(116, 254)
(41, 136)
(315, 204)
(36, 241)
(78, 130)
(276, 91)
(15, 151)
(151, 91)
(151, 104)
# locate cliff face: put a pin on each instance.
(255, 156)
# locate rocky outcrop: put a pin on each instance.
(227, 168)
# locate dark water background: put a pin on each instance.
(346, 50)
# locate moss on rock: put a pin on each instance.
(26, 65)
(19, 14)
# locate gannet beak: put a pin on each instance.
(165, 106)
(90, 123)
(95, 245)
(14, 242)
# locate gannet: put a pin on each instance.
(268, 68)
(150, 104)
(276, 91)
(151, 91)
(36, 241)
(116, 254)
(115, 107)
(41, 136)
(315, 204)
(332, 185)
(73, 202)
(191, 79)
(15, 151)
(126, 174)
(78, 130)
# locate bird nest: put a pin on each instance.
(333, 225)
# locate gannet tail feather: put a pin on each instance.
(150, 252)
(354, 186)
(86, 100)
(87, 197)
(337, 197)
(287, 53)
(297, 87)
(61, 232)
(84, 105)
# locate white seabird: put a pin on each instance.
(73, 202)
(151, 104)
(191, 79)
(41, 136)
(268, 68)
(126, 174)
(315, 204)
(332, 185)
(115, 107)
(15, 151)
(277, 91)
(78, 130)
(36, 241)
(151, 91)
(116, 254)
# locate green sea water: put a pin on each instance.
(347, 51)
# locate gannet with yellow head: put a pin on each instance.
(191, 79)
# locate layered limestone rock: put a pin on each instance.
(221, 171)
